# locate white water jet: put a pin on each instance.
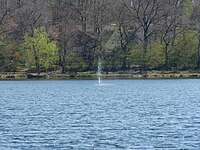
(99, 80)
(99, 71)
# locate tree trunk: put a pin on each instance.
(166, 56)
(64, 58)
(37, 63)
(90, 60)
(144, 60)
(84, 23)
(124, 63)
(145, 48)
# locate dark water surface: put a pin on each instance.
(80, 115)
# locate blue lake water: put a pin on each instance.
(80, 115)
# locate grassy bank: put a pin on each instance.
(105, 75)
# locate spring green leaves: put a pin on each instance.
(40, 50)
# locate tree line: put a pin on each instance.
(73, 35)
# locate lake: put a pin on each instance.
(81, 115)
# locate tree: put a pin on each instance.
(127, 32)
(139, 25)
(9, 55)
(30, 14)
(80, 9)
(187, 7)
(146, 14)
(99, 17)
(62, 20)
(75, 61)
(168, 28)
(6, 20)
(184, 50)
(195, 23)
(155, 54)
(40, 50)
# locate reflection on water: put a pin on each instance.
(119, 114)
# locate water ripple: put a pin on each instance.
(119, 114)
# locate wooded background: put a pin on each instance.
(73, 35)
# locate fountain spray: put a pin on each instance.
(99, 74)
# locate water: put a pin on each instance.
(99, 74)
(80, 115)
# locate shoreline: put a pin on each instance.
(105, 75)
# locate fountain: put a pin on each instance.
(99, 74)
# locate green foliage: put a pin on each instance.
(75, 61)
(187, 7)
(2, 56)
(1, 59)
(40, 46)
(183, 55)
(9, 55)
(155, 54)
(117, 50)
(53, 3)
(112, 60)
(113, 42)
(136, 55)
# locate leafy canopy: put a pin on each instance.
(38, 45)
